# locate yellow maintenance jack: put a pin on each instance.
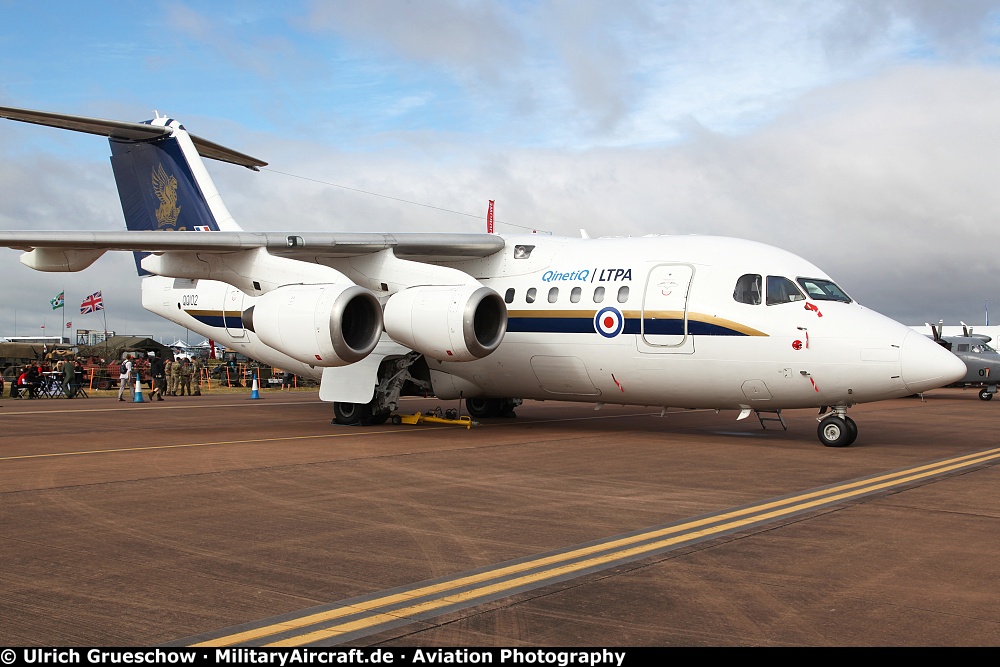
(435, 416)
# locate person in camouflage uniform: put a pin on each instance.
(196, 369)
(185, 378)
(175, 378)
(167, 366)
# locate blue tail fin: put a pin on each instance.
(158, 190)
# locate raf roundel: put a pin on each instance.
(609, 322)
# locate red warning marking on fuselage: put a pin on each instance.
(618, 383)
(813, 308)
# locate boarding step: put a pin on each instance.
(776, 418)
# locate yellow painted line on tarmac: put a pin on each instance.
(557, 565)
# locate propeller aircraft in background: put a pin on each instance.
(982, 362)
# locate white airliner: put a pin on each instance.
(665, 321)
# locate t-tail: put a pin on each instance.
(162, 181)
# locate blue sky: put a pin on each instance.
(862, 135)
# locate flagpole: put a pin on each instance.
(63, 330)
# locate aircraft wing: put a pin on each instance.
(305, 246)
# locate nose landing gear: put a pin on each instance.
(837, 430)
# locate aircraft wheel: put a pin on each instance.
(350, 414)
(836, 432)
(853, 428)
(986, 395)
(484, 407)
(380, 417)
(397, 420)
(507, 406)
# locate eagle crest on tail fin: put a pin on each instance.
(165, 188)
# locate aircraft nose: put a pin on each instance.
(926, 365)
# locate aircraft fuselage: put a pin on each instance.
(642, 321)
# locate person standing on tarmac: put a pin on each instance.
(124, 375)
(196, 373)
(175, 378)
(69, 375)
(168, 364)
(185, 378)
(159, 379)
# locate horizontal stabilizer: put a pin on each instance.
(116, 129)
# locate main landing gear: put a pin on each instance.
(398, 376)
(480, 407)
(837, 430)
(408, 376)
(360, 414)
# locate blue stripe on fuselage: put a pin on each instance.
(661, 327)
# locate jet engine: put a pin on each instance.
(320, 325)
(447, 322)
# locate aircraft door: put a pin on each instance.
(665, 310)
(232, 312)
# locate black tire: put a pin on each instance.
(507, 406)
(853, 435)
(103, 385)
(480, 407)
(397, 420)
(986, 395)
(836, 432)
(351, 414)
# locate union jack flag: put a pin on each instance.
(92, 303)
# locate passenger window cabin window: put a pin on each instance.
(553, 294)
(748, 289)
(623, 294)
(529, 296)
(508, 297)
(598, 295)
(574, 296)
(782, 290)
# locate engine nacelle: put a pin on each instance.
(447, 322)
(321, 325)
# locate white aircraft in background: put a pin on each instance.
(666, 321)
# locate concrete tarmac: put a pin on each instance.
(138, 524)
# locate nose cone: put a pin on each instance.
(926, 365)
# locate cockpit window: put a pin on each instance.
(819, 289)
(982, 347)
(748, 289)
(782, 290)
